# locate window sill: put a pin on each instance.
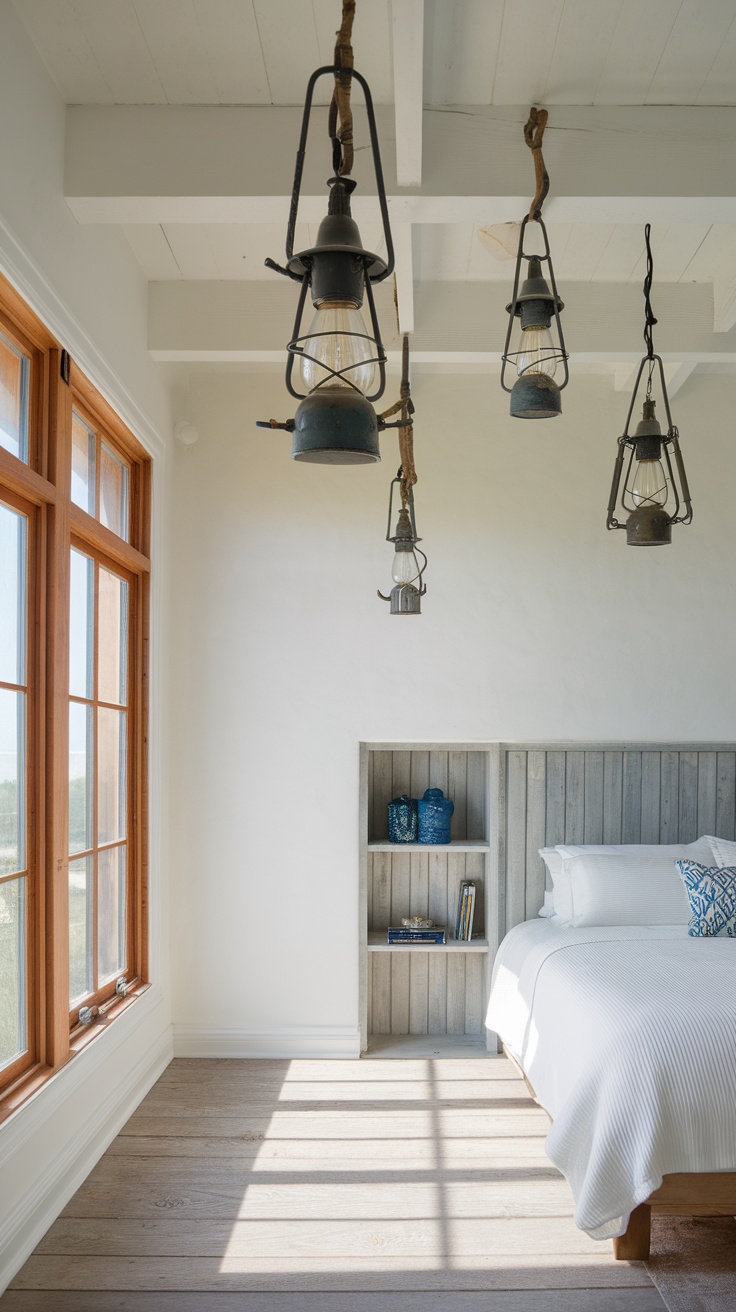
(33, 1081)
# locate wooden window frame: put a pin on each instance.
(41, 488)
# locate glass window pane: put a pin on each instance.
(81, 625)
(114, 493)
(12, 595)
(81, 978)
(14, 375)
(83, 465)
(13, 1035)
(12, 781)
(111, 784)
(110, 913)
(113, 638)
(81, 746)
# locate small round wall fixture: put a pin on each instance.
(336, 368)
(539, 357)
(652, 492)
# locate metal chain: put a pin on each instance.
(340, 114)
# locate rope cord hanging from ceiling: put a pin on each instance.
(407, 473)
(533, 133)
(340, 115)
(649, 319)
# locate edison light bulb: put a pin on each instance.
(334, 348)
(536, 353)
(405, 567)
(649, 487)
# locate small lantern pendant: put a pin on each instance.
(340, 360)
(655, 493)
(540, 357)
(537, 359)
(406, 571)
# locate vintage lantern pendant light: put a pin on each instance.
(655, 495)
(340, 362)
(407, 571)
(539, 358)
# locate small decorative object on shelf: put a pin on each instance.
(398, 934)
(435, 817)
(417, 922)
(402, 820)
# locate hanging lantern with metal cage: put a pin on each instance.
(540, 357)
(336, 369)
(653, 493)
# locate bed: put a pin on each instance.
(625, 1033)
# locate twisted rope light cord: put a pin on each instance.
(340, 111)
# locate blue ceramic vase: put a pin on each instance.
(435, 817)
(402, 820)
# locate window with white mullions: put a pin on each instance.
(98, 776)
(14, 928)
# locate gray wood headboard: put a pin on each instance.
(603, 793)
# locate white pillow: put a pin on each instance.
(548, 908)
(724, 851)
(561, 899)
(616, 889)
(701, 850)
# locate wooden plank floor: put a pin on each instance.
(328, 1186)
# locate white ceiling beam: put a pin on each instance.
(407, 21)
(676, 372)
(624, 376)
(724, 300)
(455, 323)
(219, 164)
(403, 251)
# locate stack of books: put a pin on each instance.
(400, 934)
(465, 911)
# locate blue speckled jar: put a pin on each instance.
(435, 817)
(402, 820)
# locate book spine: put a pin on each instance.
(463, 912)
(471, 913)
(417, 936)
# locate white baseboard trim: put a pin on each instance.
(42, 1203)
(284, 1042)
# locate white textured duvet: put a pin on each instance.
(628, 1037)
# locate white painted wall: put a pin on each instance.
(87, 287)
(537, 624)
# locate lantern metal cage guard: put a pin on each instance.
(405, 598)
(534, 393)
(649, 524)
(365, 267)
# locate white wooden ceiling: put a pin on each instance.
(485, 53)
(502, 52)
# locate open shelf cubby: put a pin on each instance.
(414, 996)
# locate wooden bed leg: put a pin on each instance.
(633, 1244)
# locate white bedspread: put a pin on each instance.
(628, 1037)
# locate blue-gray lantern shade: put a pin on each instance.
(540, 357)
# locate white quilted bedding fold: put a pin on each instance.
(628, 1036)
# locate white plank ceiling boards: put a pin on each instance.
(183, 121)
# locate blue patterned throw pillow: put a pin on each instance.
(712, 894)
